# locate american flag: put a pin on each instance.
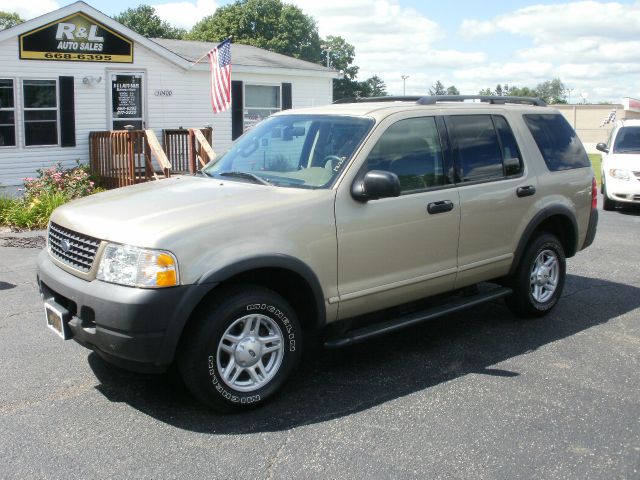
(220, 62)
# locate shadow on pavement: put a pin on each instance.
(335, 383)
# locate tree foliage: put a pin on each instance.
(377, 87)
(452, 90)
(144, 20)
(437, 89)
(8, 20)
(341, 55)
(551, 91)
(268, 24)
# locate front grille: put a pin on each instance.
(73, 248)
(637, 174)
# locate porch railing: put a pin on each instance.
(126, 157)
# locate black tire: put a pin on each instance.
(607, 203)
(203, 360)
(527, 300)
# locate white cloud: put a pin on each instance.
(185, 14)
(30, 9)
(390, 40)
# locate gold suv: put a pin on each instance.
(313, 220)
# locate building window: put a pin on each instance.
(260, 101)
(40, 112)
(7, 114)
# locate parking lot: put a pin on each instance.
(474, 395)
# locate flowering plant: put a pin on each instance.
(72, 183)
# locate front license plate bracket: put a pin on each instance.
(57, 318)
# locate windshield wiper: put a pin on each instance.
(250, 176)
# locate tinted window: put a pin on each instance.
(510, 153)
(411, 149)
(478, 150)
(627, 140)
(558, 143)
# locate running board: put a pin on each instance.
(382, 328)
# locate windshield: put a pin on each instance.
(302, 151)
(627, 140)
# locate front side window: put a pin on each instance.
(558, 143)
(627, 140)
(40, 107)
(260, 101)
(7, 114)
(411, 149)
(302, 151)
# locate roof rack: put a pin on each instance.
(494, 99)
(379, 99)
(433, 99)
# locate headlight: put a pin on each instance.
(619, 174)
(138, 267)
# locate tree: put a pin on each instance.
(552, 91)
(8, 20)
(437, 89)
(377, 87)
(340, 54)
(144, 20)
(452, 90)
(268, 24)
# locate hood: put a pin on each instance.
(626, 161)
(147, 214)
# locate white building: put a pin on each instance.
(75, 70)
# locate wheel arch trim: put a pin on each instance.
(536, 221)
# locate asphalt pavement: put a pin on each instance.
(476, 395)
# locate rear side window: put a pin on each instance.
(558, 143)
(478, 149)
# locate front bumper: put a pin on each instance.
(134, 328)
(623, 190)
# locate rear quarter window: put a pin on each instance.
(558, 143)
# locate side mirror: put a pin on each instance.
(602, 147)
(376, 184)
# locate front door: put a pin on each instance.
(127, 100)
(395, 250)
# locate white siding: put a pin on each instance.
(188, 106)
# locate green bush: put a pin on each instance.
(52, 188)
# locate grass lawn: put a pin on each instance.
(596, 160)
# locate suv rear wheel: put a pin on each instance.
(539, 278)
(241, 349)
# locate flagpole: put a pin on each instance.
(203, 56)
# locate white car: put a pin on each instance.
(621, 165)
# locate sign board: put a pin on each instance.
(76, 38)
(631, 104)
(126, 96)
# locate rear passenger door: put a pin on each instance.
(395, 250)
(497, 193)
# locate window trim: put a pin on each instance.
(30, 109)
(15, 115)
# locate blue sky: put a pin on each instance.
(592, 46)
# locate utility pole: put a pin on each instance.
(404, 84)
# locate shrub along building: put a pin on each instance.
(75, 70)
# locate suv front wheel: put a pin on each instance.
(241, 349)
(539, 278)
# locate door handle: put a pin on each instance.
(526, 191)
(440, 207)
